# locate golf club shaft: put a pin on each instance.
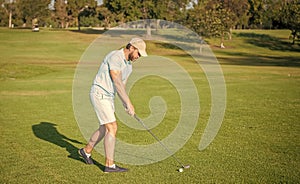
(153, 135)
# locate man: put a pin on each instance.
(111, 79)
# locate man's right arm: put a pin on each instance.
(116, 77)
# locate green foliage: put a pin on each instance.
(290, 16)
(132, 10)
(216, 18)
(77, 9)
(8, 10)
(32, 11)
(206, 17)
(89, 21)
(105, 16)
(4, 17)
(61, 14)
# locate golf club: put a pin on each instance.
(140, 121)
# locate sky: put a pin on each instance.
(100, 2)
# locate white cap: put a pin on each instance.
(140, 45)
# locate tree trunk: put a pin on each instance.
(10, 19)
(222, 41)
(294, 33)
(78, 22)
(157, 24)
(148, 27)
(230, 34)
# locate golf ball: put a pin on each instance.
(180, 170)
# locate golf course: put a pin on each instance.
(258, 141)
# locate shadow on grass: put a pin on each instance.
(48, 132)
(89, 31)
(247, 59)
(112, 32)
(267, 41)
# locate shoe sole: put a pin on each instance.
(115, 171)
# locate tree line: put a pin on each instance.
(206, 17)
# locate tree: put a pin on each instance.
(217, 18)
(120, 9)
(105, 15)
(263, 13)
(290, 16)
(172, 10)
(9, 7)
(241, 11)
(33, 11)
(195, 17)
(77, 9)
(132, 10)
(61, 14)
(271, 14)
(255, 13)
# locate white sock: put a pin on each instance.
(112, 166)
(87, 154)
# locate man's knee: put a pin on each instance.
(112, 128)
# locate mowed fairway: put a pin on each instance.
(258, 141)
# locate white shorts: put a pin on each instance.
(104, 107)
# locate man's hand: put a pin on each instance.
(130, 109)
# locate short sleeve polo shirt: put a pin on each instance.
(115, 60)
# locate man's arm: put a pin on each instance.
(116, 77)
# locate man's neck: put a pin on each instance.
(126, 53)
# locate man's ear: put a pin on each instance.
(131, 48)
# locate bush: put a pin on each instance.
(89, 21)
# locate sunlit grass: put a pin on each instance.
(257, 143)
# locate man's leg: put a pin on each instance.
(109, 143)
(109, 147)
(95, 139)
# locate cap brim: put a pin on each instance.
(143, 53)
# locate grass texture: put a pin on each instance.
(257, 143)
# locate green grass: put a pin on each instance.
(257, 143)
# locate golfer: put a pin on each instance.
(111, 79)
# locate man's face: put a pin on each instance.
(134, 54)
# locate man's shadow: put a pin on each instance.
(48, 132)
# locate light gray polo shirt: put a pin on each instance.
(115, 60)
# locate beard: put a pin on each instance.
(131, 57)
